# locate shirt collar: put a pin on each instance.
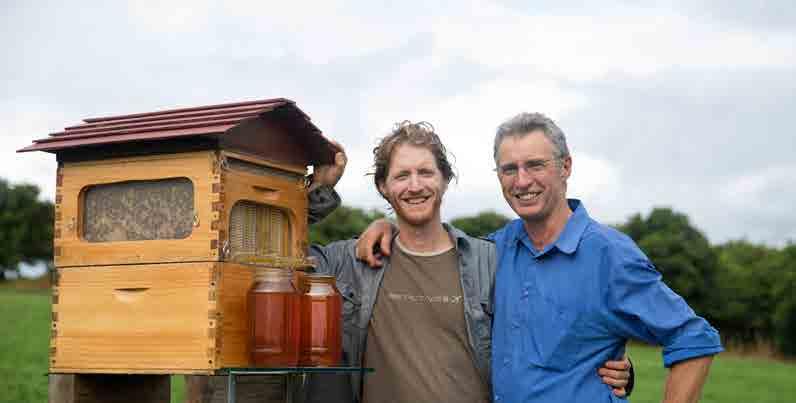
(570, 237)
(461, 241)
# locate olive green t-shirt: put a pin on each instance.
(417, 340)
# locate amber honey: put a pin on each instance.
(274, 309)
(321, 315)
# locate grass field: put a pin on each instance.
(24, 341)
(732, 379)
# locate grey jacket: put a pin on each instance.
(359, 285)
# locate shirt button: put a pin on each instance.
(515, 325)
(497, 398)
(506, 361)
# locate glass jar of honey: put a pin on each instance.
(274, 321)
(321, 316)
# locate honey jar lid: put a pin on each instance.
(319, 278)
(265, 273)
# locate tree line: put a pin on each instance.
(746, 290)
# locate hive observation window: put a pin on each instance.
(138, 210)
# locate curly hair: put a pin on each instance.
(420, 134)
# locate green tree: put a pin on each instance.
(480, 224)
(680, 252)
(344, 223)
(744, 295)
(26, 226)
(784, 293)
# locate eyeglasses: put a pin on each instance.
(531, 167)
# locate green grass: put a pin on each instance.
(24, 345)
(24, 342)
(732, 378)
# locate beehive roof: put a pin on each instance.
(212, 120)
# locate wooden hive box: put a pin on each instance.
(158, 217)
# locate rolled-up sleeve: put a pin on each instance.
(642, 306)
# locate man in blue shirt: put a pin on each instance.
(570, 291)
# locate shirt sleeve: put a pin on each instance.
(334, 258)
(322, 202)
(641, 306)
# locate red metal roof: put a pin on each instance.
(184, 122)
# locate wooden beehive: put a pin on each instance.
(158, 219)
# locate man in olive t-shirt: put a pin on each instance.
(417, 337)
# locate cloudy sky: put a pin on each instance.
(686, 104)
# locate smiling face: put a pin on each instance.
(414, 186)
(532, 179)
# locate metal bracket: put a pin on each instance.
(223, 164)
(224, 249)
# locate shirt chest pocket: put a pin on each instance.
(351, 301)
(551, 339)
(351, 333)
(350, 310)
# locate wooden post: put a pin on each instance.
(61, 388)
(101, 388)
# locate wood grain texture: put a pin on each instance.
(61, 388)
(297, 169)
(137, 317)
(181, 318)
(236, 280)
(77, 176)
(270, 139)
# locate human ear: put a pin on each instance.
(566, 168)
(382, 190)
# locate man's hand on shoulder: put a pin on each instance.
(375, 242)
(329, 175)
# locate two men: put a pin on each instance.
(424, 321)
(570, 291)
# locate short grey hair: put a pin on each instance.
(525, 123)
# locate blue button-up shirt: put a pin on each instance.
(561, 312)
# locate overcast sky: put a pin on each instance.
(685, 104)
